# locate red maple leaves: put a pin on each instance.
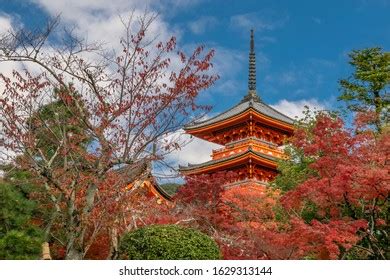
(339, 211)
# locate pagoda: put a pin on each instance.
(251, 133)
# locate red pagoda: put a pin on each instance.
(251, 132)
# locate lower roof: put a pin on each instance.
(210, 163)
(142, 169)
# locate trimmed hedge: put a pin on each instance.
(168, 242)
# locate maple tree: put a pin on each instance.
(350, 188)
(203, 203)
(115, 106)
(337, 208)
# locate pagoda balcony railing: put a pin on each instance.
(246, 140)
(246, 182)
(243, 145)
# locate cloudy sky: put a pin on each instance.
(301, 46)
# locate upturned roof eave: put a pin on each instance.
(218, 119)
(210, 163)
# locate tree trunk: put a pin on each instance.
(378, 108)
(114, 243)
(74, 254)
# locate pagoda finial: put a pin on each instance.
(252, 95)
(252, 65)
(252, 42)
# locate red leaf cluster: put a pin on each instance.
(349, 191)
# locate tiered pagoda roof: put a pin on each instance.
(247, 104)
(250, 131)
(231, 161)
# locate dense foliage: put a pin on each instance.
(332, 205)
(168, 242)
(87, 120)
(367, 89)
(20, 245)
(19, 237)
(80, 147)
(348, 193)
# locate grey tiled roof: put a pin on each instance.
(141, 167)
(211, 162)
(244, 105)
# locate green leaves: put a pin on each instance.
(294, 170)
(367, 88)
(20, 245)
(16, 209)
(18, 238)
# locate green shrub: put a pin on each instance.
(17, 245)
(20, 239)
(168, 242)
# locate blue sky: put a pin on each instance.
(301, 46)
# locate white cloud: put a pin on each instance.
(288, 78)
(265, 20)
(99, 20)
(6, 69)
(74, 9)
(294, 109)
(193, 149)
(5, 22)
(202, 24)
(228, 62)
(196, 151)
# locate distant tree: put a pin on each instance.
(367, 89)
(115, 105)
(171, 188)
(293, 170)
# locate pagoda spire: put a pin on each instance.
(252, 65)
(252, 94)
